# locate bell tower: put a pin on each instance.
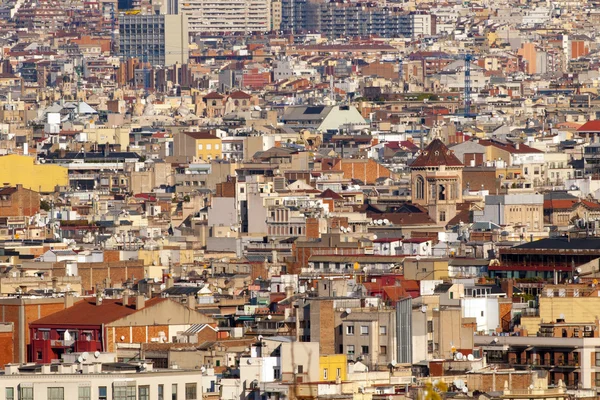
(437, 181)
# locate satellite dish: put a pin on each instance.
(578, 270)
(423, 309)
(80, 359)
(470, 357)
(269, 316)
(260, 337)
(465, 389)
(374, 237)
(144, 365)
(459, 356)
(393, 363)
(203, 368)
(122, 338)
(249, 361)
(561, 316)
(96, 354)
(348, 310)
(386, 221)
(459, 383)
(85, 355)
(531, 387)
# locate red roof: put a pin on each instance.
(240, 95)
(330, 194)
(86, 312)
(590, 126)
(435, 154)
(213, 95)
(510, 147)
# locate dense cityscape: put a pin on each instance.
(299, 199)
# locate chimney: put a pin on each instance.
(140, 302)
(98, 299)
(54, 284)
(125, 301)
(68, 300)
(169, 282)
(191, 302)
(517, 145)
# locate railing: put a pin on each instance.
(62, 343)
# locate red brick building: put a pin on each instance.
(16, 201)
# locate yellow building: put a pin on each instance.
(197, 145)
(17, 169)
(333, 367)
(106, 135)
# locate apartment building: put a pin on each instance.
(155, 39)
(212, 16)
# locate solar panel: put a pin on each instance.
(314, 110)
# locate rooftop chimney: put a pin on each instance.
(125, 298)
(140, 302)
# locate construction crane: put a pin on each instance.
(467, 94)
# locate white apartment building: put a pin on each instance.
(220, 16)
(103, 381)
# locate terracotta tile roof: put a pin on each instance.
(590, 126)
(560, 204)
(394, 293)
(590, 204)
(435, 154)
(239, 95)
(86, 312)
(330, 194)
(214, 95)
(509, 147)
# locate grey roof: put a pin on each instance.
(307, 113)
(181, 290)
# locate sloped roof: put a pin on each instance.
(590, 126)
(330, 194)
(86, 312)
(436, 154)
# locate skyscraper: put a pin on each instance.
(157, 39)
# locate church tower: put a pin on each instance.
(437, 181)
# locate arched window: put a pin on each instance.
(420, 188)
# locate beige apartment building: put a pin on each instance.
(228, 15)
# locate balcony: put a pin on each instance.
(62, 343)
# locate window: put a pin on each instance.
(190, 391)
(482, 313)
(39, 355)
(364, 330)
(102, 395)
(383, 330)
(325, 374)
(420, 188)
(26, 393)
(442, 216)
(174, 392)
(56, 393)
(144, 393)
(200, 147)
(338, 373)
(430, 346)
(597, 379)
(216, 147)
(429, 326)
(350, 330)
(277, 373)
(350, 349)
(9, 393)
(124, 392)
(598, 359)
(208, 146)
(300, 369)
(383, 350)
(364, 349)
(161, 392)
(85, 393)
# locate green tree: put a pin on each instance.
(44, 205)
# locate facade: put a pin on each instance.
(211, 16)
(437, 181)
(17, 169)
(18, 202)
(198, 146)
(525, 210)
(103, 380)
(155, 39)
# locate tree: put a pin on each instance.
(44, 205)
(434, 390)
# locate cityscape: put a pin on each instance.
(299, 200)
